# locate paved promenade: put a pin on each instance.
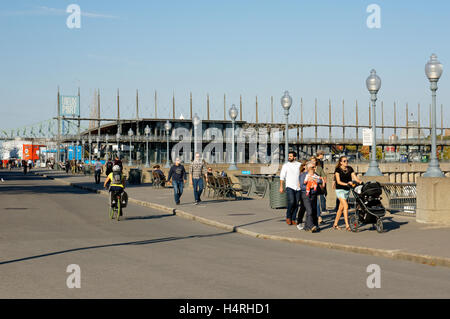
(403, 238)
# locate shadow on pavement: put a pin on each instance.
(142, 242)
(147, 217)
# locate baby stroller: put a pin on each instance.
(368, 207)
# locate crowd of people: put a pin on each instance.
(305, 186)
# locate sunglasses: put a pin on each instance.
(344, 161)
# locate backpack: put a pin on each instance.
(109, 166)
(117, 178)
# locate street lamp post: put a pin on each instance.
(195, 122)
(82, 150)
(147, 133)
(118, 144)
(286, 102)
(233, 112)
(90, 149)
(167, 126)
(130, 134)
(373, 84)
(107, 147)
(98, 146)
(433, 71)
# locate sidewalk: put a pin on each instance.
(403, 238)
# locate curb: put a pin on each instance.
(392, 254)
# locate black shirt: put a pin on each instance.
(345, 177)
(177, 173)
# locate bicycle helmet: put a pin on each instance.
(116, 168)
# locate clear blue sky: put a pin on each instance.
(315, 49)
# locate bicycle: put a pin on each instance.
(115, 209)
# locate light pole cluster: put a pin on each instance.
(130, 134)
(147, 133)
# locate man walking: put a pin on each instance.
(178, 175)
(321, 197)
(289, 176)
(98, 167)
(196, 173)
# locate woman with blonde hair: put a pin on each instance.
(344, 175)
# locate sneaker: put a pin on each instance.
(313, 229)
(196, 203)
(177, 203)
(288, 221)
(320, 220)
(300, 226)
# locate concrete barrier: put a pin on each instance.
(433, 200)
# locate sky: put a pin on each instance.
(320, 50)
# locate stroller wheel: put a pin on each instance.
(380, 225)
(354, 223)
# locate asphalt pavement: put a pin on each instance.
(46, 226)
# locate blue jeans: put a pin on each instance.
(293, 198)
(198, 188)
(310, 203)
(177, 190)
(321, 204)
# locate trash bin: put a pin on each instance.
(424, 159)
(135, 176)
(277, 199)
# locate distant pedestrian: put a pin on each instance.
(117, 161)
(67, 166)
(109, 167)
(25, 167)
(98, 168)
(196, 173)
(30, 164)
(289, 177)
(345, 175)
(178, 175)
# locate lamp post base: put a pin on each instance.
(373, 170)
(233, 167)
(433, 170)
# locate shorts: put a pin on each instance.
(342, 193)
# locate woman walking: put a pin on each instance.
(310, 183)
(344, 175)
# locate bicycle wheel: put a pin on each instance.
(119, 208)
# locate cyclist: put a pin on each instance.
(117, 182)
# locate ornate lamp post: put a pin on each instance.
(233, 112)
(130, 134)
(433, 70)
(373, 84)
(167, 127)
(286, 102)
(147, 133)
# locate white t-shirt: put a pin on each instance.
(290, 172)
